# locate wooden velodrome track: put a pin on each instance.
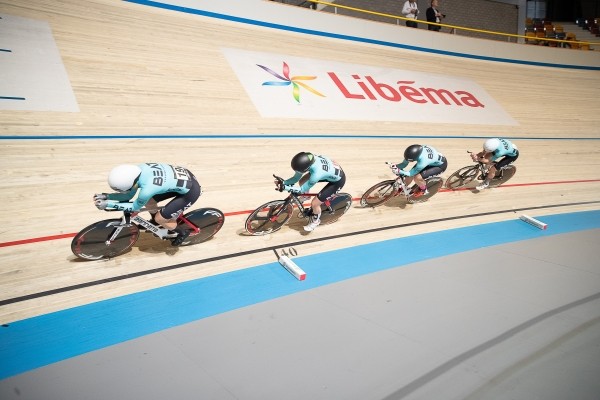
(139, 72)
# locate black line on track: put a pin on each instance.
(273, 248)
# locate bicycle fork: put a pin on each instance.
(400, 186)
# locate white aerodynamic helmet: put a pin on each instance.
(491, 145)
(122, 177)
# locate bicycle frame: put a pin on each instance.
(157, 230)
(399, 184)
(485, 168)
(271, 216)
(295, 199)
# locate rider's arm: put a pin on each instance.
(293, 179)
(126, 196)
(490, 157)
(143, 197)
(421, 163)
(402, 165)
(483, 157)
(310, 182)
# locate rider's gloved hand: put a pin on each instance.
(292, 189)
(100, 196)
(101, 204)
(279, 185)
(104, 204)
(395, 169)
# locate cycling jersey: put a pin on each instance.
(155, 179)
(429, 157)
(506, 148)
(322, 170)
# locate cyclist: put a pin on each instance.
(429, 162)
(153, 183)
(311, 169)
(493, 150)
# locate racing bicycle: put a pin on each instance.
(479, 170)
(381, 192)
(112, 237)
(271, 216)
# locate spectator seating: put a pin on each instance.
(530, 37)
(573, 37)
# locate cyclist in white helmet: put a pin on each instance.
(153, 183)
(493, 150)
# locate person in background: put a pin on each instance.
(434, 15)
(410, 10)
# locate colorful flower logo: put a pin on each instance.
(295, 81)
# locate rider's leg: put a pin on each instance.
(428, 172)
(169, 223)
(169, 213)
(152, 207)
(329, 190)
(490, 175)
(316, 207)
(315, 218)
(488, 178)
(420, 182)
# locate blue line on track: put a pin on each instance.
(39, 341)
(354, 38)
(276, 136)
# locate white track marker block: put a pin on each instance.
(533, 221)
(292, 268)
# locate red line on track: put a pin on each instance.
(70, 235)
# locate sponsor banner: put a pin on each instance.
(282, 86)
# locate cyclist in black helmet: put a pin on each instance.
(311, 169)
(429, 162)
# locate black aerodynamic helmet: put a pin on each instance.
(413, 152)
(302, 161)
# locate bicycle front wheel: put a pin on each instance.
(339, 205)
(208, 220)
(269, 217)
(94, 242)
(378, 194)
(462, 177)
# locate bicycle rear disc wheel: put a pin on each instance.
(91, 243)
(340, 204)
(462, 177)
(433, 186)
(378, 194)
(208, 220)
(504, 175)
(269, 217)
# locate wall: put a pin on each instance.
(477, 14)
(269, 13)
